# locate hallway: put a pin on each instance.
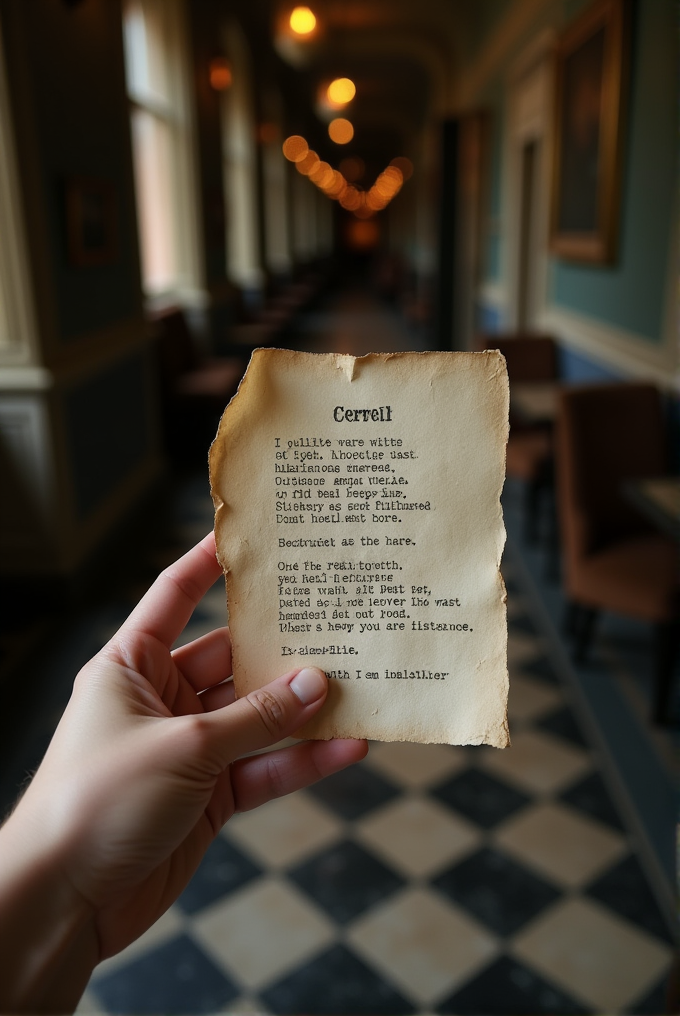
(427, 878)
(354, 322)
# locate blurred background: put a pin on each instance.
(182, 181)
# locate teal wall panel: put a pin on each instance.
(631, 294)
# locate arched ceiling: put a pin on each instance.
(405, 57)
(401, 54)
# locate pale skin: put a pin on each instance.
(144, 769)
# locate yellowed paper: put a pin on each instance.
(358, 522)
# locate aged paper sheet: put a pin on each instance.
(359, 525)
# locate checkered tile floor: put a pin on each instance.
(426, 879)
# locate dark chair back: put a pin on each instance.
(528, 357)
(606, 434)
(177, 352)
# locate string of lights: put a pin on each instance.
(333, 183)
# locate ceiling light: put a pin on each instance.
(295, 148)
(220, 74)
(341, 131)
(308, 164)
(302, 21)
(403, 164)
(341, 91)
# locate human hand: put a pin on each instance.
(146, 764)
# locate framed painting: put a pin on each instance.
(590, 80)
(91, 233)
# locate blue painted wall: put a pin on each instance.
(630, 294)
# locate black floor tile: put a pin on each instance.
(624, 889)
(541, 669)
(497, 891)
(345, 880)
(507, 988)
(354, 792)
(480, 797)
(175, 978)
(592, 797)
(334, 984)
(222, 870)
(563, 724)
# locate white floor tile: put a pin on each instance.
(521, 649)
(262, 931)
(284, 831)
(417, 836)
(537, 762)
(568, 848)
(424, 945)
(416, 765)
(529, 699)
(593, 955)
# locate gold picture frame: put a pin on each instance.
(591, 77)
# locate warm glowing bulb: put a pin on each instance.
(403, 164)
(220, 74)
(363, 211)
(308, 164)
(295, 148)
(340, 131)
(350, 199)
(341, 91)
(321, 173)
(375, 200)
(302, 21)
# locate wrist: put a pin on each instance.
(48, 937)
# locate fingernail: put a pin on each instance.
(309, 685)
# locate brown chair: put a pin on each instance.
(194, 388)
(613, 558)
(529, 358)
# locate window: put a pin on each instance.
(240, 169)
(156, 69)
(18, 330)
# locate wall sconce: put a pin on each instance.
(220, 74)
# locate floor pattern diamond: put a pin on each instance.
(427, 879)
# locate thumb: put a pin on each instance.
(270, 713)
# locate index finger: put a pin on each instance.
(166, 607)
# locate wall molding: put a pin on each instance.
(498, 49)
(624, 351)
(79, 360)
(493, 295)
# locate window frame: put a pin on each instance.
(175, 114)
